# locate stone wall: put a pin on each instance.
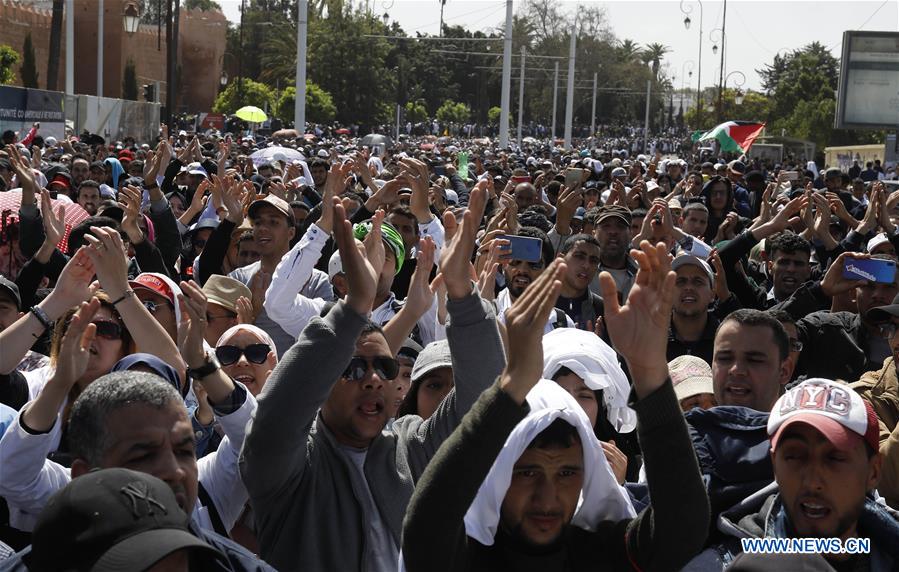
(202, 34)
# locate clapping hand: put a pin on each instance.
(455, 261)
(192, 328)
(74, 352)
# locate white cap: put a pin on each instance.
(682, 259)
(335, 267)
(452, 197)
(876, 241)
(50, 142)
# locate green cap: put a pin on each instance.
(391, 237)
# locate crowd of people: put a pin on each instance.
(441, 356)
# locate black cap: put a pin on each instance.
(884, 313)
(113, 519)
(617, 211)
(9, 287)
(833, 173)
(754, 175)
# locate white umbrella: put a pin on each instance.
(276, 153)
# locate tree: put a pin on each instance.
(129, 81)
(204, 5)
(251, 93)
(55, 43)
(416, 112)
(628, 51)
(452, 112)
(319, 105)
(29, 67)
(494, 114)
(8, 60)
(654, 54)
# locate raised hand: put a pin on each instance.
(74, 284)
(722, 292)
(259, 284)
(192, 328)
(74, 352)
(639, 329)
(617, 460)
(460, 238)
(54, 223)
(107, 252)
(245, 312)
(24, 175)
(525, 322)
(362, 277)
(421, 295)
(130, 199)
(231, 196)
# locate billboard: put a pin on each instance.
(868, 94)
(21, 107)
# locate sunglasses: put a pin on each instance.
(255, 353)
(108, 330)
(152, 306)
(387, 368)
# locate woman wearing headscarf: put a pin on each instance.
(587, 368)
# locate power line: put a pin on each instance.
(433, 38)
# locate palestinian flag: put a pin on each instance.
(735, 136)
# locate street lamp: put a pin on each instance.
(684, 74)
(686, 9)
(131, 18)
(385, 17)
(224, 79)
(738, 96)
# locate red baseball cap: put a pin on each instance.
(149, 281)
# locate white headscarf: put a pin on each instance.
(255, 330)
(602, 498)
(595, 362)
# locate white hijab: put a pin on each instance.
(602, 498)
(595, 362)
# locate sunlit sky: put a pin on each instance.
(756, 29)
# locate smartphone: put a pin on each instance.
(524, 179)
(870, 269)
(573, 176)
(440, 170)
(791, 176)
(525, 248)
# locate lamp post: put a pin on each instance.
(131, 18)
(738, 96)
(687, 9)
(684, 74)
(723, 39)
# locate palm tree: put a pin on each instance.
(654, 53)
(628, 50)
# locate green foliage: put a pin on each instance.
(29, 68)
(204, 5)
(251, 93)
(452, 112)
(416, 111)
(8, 60)
(801, 85)
(319, 105)
(494, 114)
(129, 82)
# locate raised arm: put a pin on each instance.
(274, 455)
(72, 288)
(107, 253)
(663, 536)
(284, 302)
(434, 531)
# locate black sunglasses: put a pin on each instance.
(108, 330)
(256, 353)
(387, 368)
